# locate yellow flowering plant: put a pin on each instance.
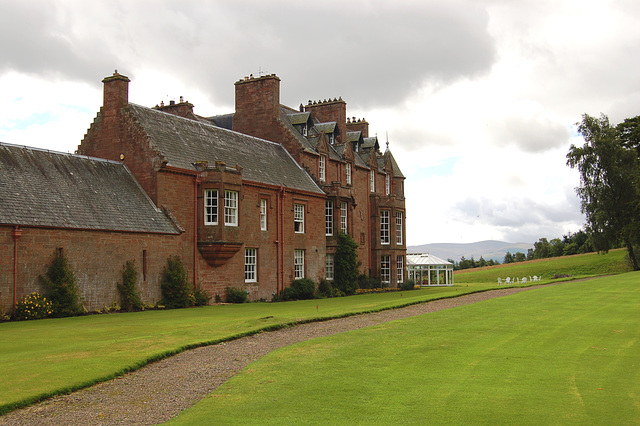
(33, 306)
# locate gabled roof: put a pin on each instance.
(371, 142)
(52, 189)
(329, 127)
(310, 142)
(183, 142)
(299, 117)
(394, 165)
(354, 136)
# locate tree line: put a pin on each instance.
(568, 245)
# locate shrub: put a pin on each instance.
(408, 285)
(62, 289)
(325, 289)
(175, 291)
(130, 297)
(346, 265)
(201, 297)
(33, 306)
(365, 282)
(235, 295)
(302, 289)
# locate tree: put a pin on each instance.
(557, 247)
(609, 182)
(175, 290)
(346, 265)
(508, 258)
(62, 288)
(541, 249)
(128, 294)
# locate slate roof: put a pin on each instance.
(353, 136)
(225, 120)
(182, 142)
(394, 165)
(52, 189)
(299, 117)
(329, 127)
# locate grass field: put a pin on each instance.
(48, 357)
(580, 266)
(556, 355)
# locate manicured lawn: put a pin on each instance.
(47, 357)
(556, 355)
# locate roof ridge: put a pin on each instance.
(213, 126)
(51, 151)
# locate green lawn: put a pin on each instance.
(48, 357)
(556, 355)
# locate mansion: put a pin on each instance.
(253, 199)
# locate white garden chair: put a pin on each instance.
(524, 280)
(508, 280)
(499, 281)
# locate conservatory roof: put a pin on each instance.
(425, 259)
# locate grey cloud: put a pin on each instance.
(35, 41)
(370, 53)
(530, 133)
(520, 215)
(367, 56)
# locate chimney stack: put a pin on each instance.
(116, 93)
(360, 125)
(257, 105)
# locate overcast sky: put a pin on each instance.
(478, 98)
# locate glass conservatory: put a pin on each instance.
(427, 270)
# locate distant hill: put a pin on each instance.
(487, 249)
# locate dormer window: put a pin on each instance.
(331, 138)
(305, 130)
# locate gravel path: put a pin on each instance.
(159, 391)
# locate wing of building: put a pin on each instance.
(252, 199)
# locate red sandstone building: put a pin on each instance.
(253, 199)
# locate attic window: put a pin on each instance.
(331, 138)
(304, 130)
